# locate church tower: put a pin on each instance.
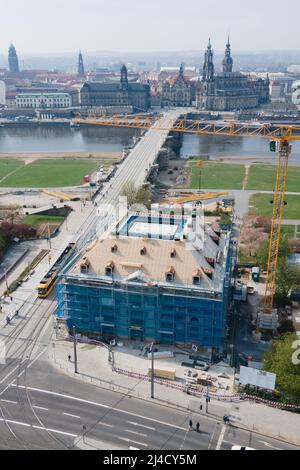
(208, 74)
(80, 69)
(227, 64)
(13, 61)
(124, 78)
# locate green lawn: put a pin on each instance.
(289, 230)
(36, 220)
(218, 175)
(262, 177)
(52, 173)
(8, 165)
(262, 206)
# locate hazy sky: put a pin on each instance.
(36, 26)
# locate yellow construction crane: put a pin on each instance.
(283, 134)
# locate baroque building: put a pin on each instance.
(229, 90)
(123, 93)
(176, 91)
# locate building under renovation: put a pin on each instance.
(153, 278)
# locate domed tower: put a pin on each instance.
(227, 64)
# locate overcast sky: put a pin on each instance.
(37, 26)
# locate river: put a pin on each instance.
(51, 139)
(237, 149)
(57, 139)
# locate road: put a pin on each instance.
(56, 411)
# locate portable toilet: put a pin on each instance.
(256, 274)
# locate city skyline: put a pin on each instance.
(112, 27)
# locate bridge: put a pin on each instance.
(134, 168)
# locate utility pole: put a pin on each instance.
(152, 371)
(75, 349)
(200, 166)
(6, 283)
(207, 403)
(49, 236)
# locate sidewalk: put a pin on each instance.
(94, 368)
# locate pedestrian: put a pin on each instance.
(17, 313)
(190, 425)
(69, 358)
(198, 427)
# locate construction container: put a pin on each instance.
(162, 373)
(256, 274)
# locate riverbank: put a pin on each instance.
(31, 157)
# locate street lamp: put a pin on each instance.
(152, 371)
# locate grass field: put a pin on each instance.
(289, 230)
(36, 220)
(262, 177)
(52, 173)
(8, 165)
(218, 176)
(262, 206)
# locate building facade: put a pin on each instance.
(142, 283)
(123, 93)
(177, 91)
(229, 90)
(43, 100)
(13, 61)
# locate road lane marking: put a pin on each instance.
(9, 401)
(133, 442)
(33, 426)
(72, 416)
(141, 425)
(11, 383)
(222, 434)
(270, 445)
(100, 405)
(40, 408)
(107, 425)
(136, 433)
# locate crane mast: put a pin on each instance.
(279, 202)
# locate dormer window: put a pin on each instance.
(109, 269)
(84, 267)
(209, 272)
(210, 261)
(197, 277)
(170, 274)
